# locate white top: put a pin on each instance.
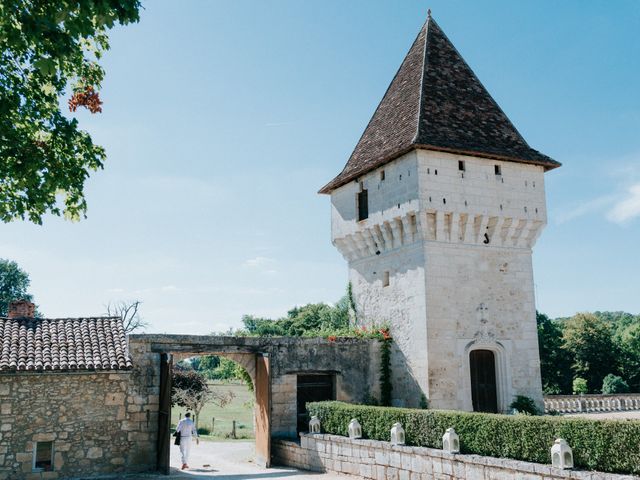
(187, 428)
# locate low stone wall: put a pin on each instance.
(592, 403)
(376, 460)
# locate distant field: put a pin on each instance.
(240, 409)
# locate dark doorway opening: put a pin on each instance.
(483, 381)
(313, 388)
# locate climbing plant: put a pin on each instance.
(386, 386)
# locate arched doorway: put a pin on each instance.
(259, 369)
(484, 396)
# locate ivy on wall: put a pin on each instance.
(385, 369)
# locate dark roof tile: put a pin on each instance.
(42, 344)
(436, 102)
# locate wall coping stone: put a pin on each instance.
(502, 463)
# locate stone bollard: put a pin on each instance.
(314, 425)
(450, 441)
(397, 434)
(561, 454)
(355, 430)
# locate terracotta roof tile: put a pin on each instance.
(42, 344)
(436, 102)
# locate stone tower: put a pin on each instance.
(437, 211)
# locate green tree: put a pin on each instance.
(590, 342)
(614, 384)
(630, 365)
(45, 47)
(555, 362)
(208, 362)
(313, 319)
(14, 285)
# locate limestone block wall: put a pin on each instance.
(355, 364)
(100, 423)
(374, 460)
(445, 258)
(402, 305)
(480, 298)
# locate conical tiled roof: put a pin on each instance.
(436, 102)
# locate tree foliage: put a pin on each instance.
(630, 347)
(614, 384)
(47, 47)
(14, 285)
(554, 360)
(213, 367)
(589, 346)
(314, 319)
(590, 343)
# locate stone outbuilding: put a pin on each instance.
(70, 401)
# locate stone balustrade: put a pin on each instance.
(591, 403)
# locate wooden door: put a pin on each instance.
(313, 388)
(263, 412)
(164, 414)
(483, 381)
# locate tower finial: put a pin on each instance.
(429, 13)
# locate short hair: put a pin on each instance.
(188, 414)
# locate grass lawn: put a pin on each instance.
(239, 409)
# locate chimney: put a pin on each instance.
(21, 308)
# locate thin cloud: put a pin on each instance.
(628, 208)
(584, 208)
(258, 262)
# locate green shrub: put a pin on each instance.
(525, 405)
(605, 445)
(580, 386)
(204, 431)
(614, 384)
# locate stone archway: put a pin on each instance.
(275, 365)
(256, 365)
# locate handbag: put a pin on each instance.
(177, 440)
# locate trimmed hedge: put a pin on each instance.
(604, 445)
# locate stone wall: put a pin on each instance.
(370, 459)
(100, 423)
(354, 362)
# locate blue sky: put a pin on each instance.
(223, 118)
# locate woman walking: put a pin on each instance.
(186, 429)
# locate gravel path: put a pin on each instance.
(230, 461)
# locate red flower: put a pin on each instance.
(331, 338)
(385, 333)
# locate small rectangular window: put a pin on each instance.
(461, 165)
(385, 279)
(363, 205)
(43, 457)
(381, 175)
(498, 169)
